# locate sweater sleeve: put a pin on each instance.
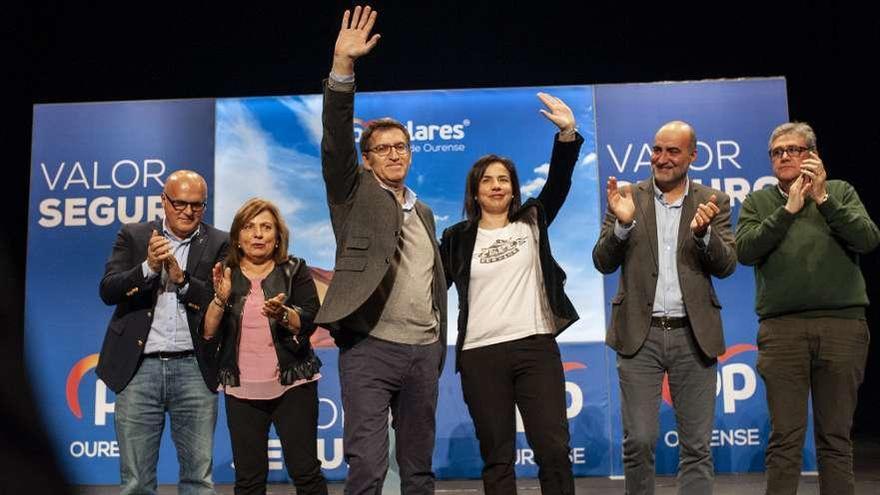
(757, 237)
(849, 221)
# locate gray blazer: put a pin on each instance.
(632, 305)
(367, 223)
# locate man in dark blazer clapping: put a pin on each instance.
(154, 358)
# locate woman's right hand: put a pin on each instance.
(222, 282)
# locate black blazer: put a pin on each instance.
(457, 245)
(296, 359)
(124, 285)
(367, 223)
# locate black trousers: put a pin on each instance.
(527, 373)
(377, 376)
(295, 416)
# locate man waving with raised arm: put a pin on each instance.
(386, 305)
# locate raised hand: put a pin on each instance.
(814, 170)
(158, 250)
(797, 192)
(620, 202)
(704, 215)
(222, 282)
(558, 113)
(354, 39)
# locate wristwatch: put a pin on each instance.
(285, 319)
(183, 283)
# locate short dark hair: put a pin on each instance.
(471, 208)
(380, 124)
(250, 209)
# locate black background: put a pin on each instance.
(81, 51)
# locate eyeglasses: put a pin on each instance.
(385, 149)
(180, 205)
(793, 151)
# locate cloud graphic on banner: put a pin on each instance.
(589, 159)
(535, 185)
(312, 238)
(308, 111)
(251, 163)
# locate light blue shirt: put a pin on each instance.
(668, 300)
(170, 330)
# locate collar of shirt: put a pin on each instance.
(658, 194)
(166, 231)
(409, 196)
(783, 193)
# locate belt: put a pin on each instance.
(166, 355)
(668, 323)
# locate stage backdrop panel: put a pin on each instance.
(733, 121)
(94, 166)
(91, 160)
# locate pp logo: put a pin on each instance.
(74, 378)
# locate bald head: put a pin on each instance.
(186, 181)
(680, 127)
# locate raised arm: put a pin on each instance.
(339, 159)
(566, 147)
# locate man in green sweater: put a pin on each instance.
(804, 238)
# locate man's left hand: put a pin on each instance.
(704, 215)
(175, 273)
(814, 169)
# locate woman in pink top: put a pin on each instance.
(262, 315)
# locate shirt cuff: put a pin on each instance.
(341, 83)
(703, 241)
(622, 232)
(148, 272)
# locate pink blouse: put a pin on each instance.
(259, 376)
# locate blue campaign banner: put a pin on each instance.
(733, 121)
(271, 147)
(94, 166)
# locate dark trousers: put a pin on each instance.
(526, 373)
(376, 376)
(692, 378)
(295, 416)
(825, 357)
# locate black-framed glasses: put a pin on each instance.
(180, 205)
(793, 151)
(384, 149)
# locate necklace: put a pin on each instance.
(262, 271)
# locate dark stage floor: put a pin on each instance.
(867, 482)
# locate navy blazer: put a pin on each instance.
(135, 297)
(457, 245)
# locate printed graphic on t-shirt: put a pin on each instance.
(501, 249)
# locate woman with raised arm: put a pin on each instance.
(511, 307)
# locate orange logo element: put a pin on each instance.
(79, 369)
(731, 351)
(573, 365)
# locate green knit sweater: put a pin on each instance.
(807, 264)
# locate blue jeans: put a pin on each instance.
(174, 386)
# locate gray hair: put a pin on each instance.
(800, 128)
